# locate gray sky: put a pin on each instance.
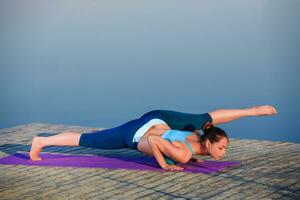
(101, 63)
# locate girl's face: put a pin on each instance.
(217, 150)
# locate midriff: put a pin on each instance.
(158, 129)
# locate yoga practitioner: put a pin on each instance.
(169, 136)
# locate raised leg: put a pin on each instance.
(62, 139)
(227, 115)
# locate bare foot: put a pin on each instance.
(264, 110)
(36, 148)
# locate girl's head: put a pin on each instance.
(215, 141)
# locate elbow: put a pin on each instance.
(151, 139)
(184, 159)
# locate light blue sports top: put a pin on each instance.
(176, 135)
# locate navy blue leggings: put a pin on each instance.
(122, 136)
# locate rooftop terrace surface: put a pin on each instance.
(268, 170)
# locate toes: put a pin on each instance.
(35, 158)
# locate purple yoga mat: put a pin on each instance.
(144, 163)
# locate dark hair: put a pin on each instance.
(213, 134)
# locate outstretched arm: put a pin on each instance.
(227, 115)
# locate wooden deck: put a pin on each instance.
(269, 170)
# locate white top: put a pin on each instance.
(141, 131)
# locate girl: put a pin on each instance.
(169, 136)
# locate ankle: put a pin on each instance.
(40, 141)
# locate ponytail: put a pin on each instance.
(213, 134)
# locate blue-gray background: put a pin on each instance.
(102, 63)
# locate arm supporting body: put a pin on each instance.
(161, 146)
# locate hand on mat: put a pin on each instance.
(173, 168)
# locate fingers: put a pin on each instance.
(173, 168)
